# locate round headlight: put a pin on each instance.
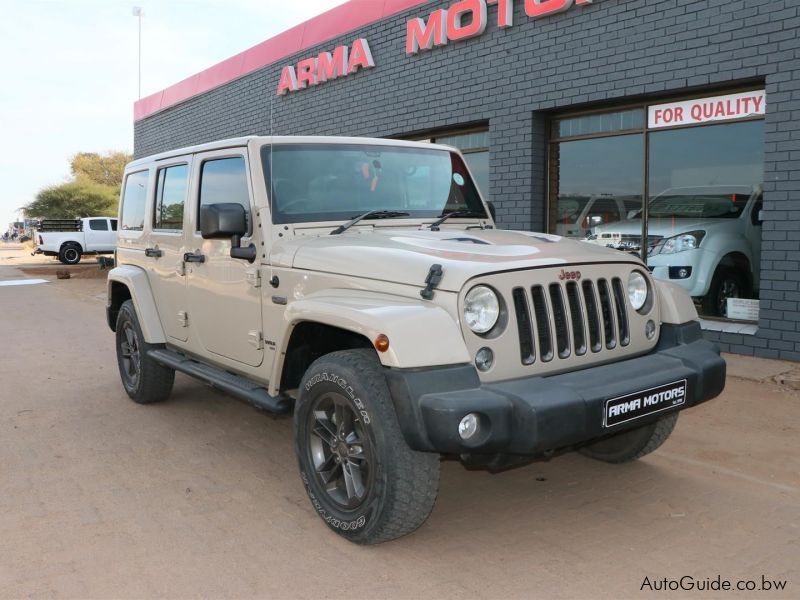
(481, 309)
(637, 290)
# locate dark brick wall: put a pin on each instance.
(511, 79)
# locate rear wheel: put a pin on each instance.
(360, 475)
(69, 254)
(632, 445)
(144, 379)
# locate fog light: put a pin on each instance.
(680, 272)
(650, 329)
(468, 426)
(484, 359)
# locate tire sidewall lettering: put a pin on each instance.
(340, 382)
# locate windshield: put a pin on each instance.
(335, 182)
(699, 206)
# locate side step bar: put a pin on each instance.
(237, 386)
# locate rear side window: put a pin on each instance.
(170, 197)
(98, 224)
(113, 224)
(225, 180)
(133, 201)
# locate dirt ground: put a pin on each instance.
(200, 497)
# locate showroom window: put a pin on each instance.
(474, 145)
(699, 162)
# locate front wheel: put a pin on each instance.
(632, 445)
(145, 380)
(360, 475)
(726, 283)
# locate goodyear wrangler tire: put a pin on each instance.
(360, 475)
(144, 380)
(632, 445)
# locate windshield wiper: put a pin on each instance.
(456, 213)
(372, 214)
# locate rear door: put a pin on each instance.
(224, 300)
(167, 244)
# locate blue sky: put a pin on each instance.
(69, 72)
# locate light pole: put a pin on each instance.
(138, 11)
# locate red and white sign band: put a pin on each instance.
(707, 110)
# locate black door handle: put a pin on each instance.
(195, 258)
(153, 252)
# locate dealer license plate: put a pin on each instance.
(640, 404)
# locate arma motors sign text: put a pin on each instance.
(468, 19)
(462, 20)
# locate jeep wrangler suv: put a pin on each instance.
(362, 285)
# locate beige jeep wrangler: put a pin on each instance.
(362, 285)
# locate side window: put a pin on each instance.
(170, 196)
(98, 224)
(113, 224)
(133, 201)
(225, 180)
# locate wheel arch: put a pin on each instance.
(129, 282)
(738, 260)
(420, 334)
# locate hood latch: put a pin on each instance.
(431, 281)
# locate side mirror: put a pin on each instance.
(492, 210)
(222, 221)
(227, 220)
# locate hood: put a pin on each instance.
(406, 255)
(665, 227)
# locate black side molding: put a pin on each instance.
(236, 386)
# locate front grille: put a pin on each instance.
(558, 320)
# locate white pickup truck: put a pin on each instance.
(92, 235)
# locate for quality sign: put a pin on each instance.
(707, 110)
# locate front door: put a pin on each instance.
(224, 304)
(166, 244)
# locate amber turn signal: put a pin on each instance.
(381, 343)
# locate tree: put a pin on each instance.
(101, 168)
(79, 198)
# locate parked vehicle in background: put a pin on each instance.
(362, 284)
(706, 239)
(69, 240)
(578, 215)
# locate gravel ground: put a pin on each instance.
(200, 496)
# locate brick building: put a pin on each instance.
(570, 113)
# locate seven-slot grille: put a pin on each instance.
(562, 319)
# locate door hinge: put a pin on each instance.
(180, 268)
(256, 339)
(253, 277)
(183, 318)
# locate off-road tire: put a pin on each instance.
(713, 301)
(632, 445)
(152, 381)
(69, 254)
(401, 484)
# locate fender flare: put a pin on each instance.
(135, 279)
(675, 304)
(421, 334)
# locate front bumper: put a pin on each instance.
(701, 263)
(536, 416)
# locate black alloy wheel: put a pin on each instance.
(340, 450)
